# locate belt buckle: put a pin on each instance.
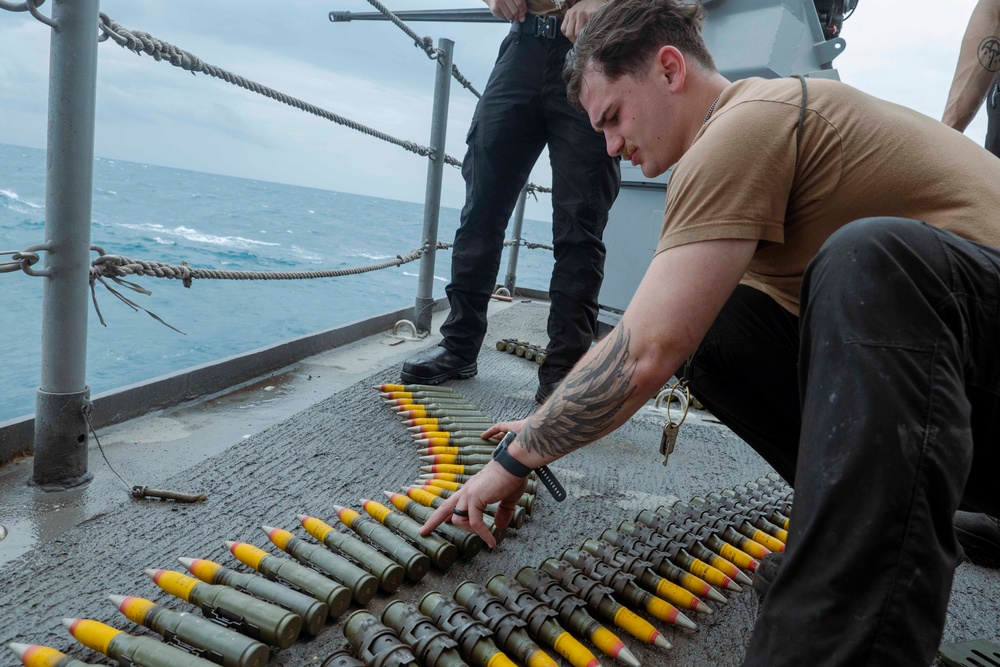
(545, 26)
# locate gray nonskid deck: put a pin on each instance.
(350, 446)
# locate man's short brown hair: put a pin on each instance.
(622, 36)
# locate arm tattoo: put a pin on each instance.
(585, 403)
(989, 53)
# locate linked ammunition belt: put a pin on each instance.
(666, 563)
(522, 348)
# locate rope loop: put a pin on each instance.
(405, 324)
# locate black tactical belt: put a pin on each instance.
(537, 26)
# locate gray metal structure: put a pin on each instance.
(63, 395)
(432, 200)
(510, 281)
(765, 38)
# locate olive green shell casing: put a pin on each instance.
(432, 646)
(375, 644)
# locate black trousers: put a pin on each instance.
(523, 108)
(882, 406)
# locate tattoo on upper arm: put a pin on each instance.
(989, 53)
(586, 402)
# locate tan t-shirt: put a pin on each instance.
(860, 157)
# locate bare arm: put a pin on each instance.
(978, 62)
(681, 294)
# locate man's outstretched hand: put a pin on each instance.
(490, 485)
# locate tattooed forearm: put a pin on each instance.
(586, 402)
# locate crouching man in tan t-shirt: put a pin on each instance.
(834, 255)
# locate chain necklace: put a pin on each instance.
(711, 109)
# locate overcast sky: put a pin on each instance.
(152, 112)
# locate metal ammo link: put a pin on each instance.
(537, 26)
(529, 609)
(465, 629)
(501, 621)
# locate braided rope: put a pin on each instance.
(424, 43)
(116, 266)
(527, 244)
(142, 42)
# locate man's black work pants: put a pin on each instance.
(523, 108)
(898, 372)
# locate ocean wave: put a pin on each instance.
(417, 275)
(307, 254)
(368, 255)
(229, 242)
(11, 199)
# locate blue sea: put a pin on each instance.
(219, 222)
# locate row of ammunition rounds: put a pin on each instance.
(522, 348)
(317, 584)
(450, 443)
(673, 559)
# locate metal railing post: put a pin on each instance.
(60, 424)
(432, 200)
(511, 279)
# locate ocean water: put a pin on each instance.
(219, 222)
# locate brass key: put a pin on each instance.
(669, 439)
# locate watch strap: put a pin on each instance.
(518, 469)
(509, 463)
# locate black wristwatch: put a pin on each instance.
(518, 469)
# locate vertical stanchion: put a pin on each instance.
(511, 280)
(60, 424)
(432, 200)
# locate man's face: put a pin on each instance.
(634, 116)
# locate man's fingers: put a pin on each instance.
(440, 515)
(512, 10)
(492, 431)
(478, 526)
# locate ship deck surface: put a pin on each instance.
(316, 435)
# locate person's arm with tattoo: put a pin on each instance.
(682, 292)
(978, 63)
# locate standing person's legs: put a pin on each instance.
(585, 182)
(504, 141)
(899, 327)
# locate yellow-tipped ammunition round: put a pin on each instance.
(578, 655)
(44, 656)
(248, 554)
(93, 634)
(635, 625)
(175, 583)
(606, 641)
(540, 658)
(136, 609)
(280, 538)
(205, 570)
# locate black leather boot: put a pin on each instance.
(436, 365)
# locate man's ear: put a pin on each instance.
(671, 64)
